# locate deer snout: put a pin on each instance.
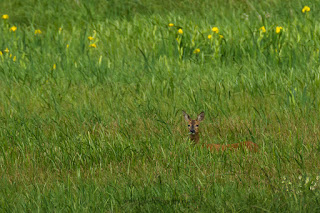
(192, 131)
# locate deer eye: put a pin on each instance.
(197, 125)
(188, 125)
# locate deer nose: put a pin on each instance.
(192, 131)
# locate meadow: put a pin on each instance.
(92, 93)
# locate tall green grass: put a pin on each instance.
(100, 128)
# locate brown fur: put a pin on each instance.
(193, 126)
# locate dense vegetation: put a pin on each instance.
(92, 92)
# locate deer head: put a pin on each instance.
(193, 126)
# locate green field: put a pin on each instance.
(92, 93)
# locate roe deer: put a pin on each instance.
(193, 126)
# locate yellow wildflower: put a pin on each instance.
(13, 29)
(278, 29)
(10, 56)
(93, 45)
(263, 29)
(221, 36)
(54, 66)
(90, 38)
(171, 25)
(60, 29)
(209, 36)
(5, 16)
(1, 53)
(305, 9)
(196, 51)
(6, 50)
(180, 31)
(215, 29)
(67, 46)
(14, 58)
(37, 32)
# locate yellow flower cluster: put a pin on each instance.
(37, 32)
(10, 56)
(171, 25)
(305, 9)
(13, 29)
(196, 51)
(263, 29)
(93, 39)
(278, 29)
(90, 38)
(5, 16)
(180, 31)
(215, 30)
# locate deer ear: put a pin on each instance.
(186, 116)
(200, 116)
